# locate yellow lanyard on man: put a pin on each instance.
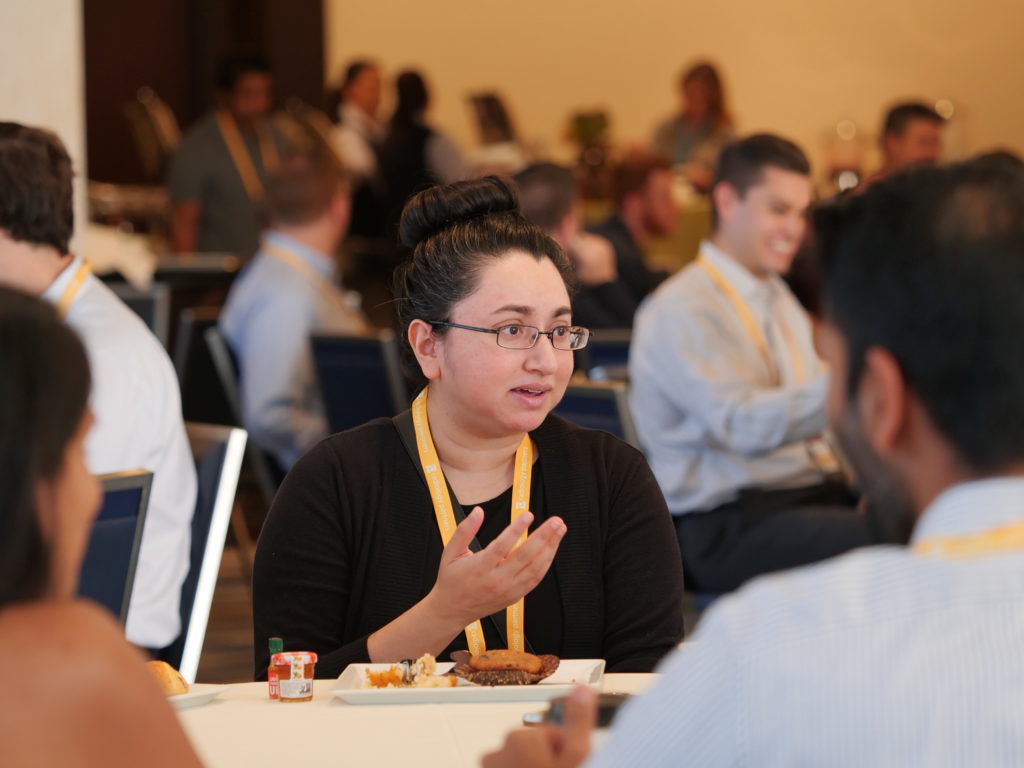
(1005, 538)
(70, 293)
(754, 328)
(445, 514)
(329, 290)
(818, 449)
(240, 155)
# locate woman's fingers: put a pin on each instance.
(458, 545)
(527, 565)
(506, 541)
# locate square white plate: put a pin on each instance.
(198, 694)
(570, 672)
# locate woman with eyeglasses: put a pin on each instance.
(76, 693)
(477, 519)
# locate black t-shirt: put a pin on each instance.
(543, 609)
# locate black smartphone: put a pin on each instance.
(607, 706)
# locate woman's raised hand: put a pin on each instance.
(471, 585)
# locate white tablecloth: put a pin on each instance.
(243, 728)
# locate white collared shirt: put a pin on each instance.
(137, 407)
(881, 657)
(710, 416)
(270, 312)
(354, 139)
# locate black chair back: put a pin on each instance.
(108, 569)
(203, 398)
(603, 406)
(606, 356)
(152, 305)
(360, 378)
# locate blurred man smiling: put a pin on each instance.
(728, 392)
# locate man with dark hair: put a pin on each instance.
(728, 393)
(885, 656)
(644, 209)
(548, 196)
(218, 172)
(286, 293)
(135, 395)
(911, 135)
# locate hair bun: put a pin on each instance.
(436, 209)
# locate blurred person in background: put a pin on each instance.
(358, 133)
(414, 155)
(728, 392)
(286, 293)
(694, 137)
(109, 711)
(217, 174)
(135, 396)
(644, 209)
(911, 136)
(549, 198)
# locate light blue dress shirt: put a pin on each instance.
(881, 657)
(270, 313)
(711, 420)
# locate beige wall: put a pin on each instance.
(44, 83)
(792, 66)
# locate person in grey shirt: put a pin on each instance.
(217, 174)
(728, 393)
(285, 294)
(887, 656)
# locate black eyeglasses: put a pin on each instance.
(567, 337)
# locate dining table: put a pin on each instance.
(242, 727)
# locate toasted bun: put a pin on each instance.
(436, 209)
(168, 678)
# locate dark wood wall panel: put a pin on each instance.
(173, 46)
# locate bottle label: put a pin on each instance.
(296, 688)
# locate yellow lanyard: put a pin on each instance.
(818, 449)
(1005, 538)
(67, 298)
(240, 155)
(444, 513)
(754, 328)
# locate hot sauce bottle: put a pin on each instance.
(276, 646)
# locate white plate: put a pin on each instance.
(570, 672)
(198, 694)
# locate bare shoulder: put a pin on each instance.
(64, 632)
(102, 705)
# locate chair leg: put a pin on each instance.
(244, 541)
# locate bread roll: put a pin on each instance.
(168, 678)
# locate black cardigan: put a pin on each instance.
(350, 543)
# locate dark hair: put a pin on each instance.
(547, 193)
(353, 71)
(302, 186)
(1001, 157)
(43, 393)
(929, 264)
(899, 116)
(35, 187)
(232, 68)
(742, 162)
(413, 98)
(631, 173)
(705, 72)
(455, 230)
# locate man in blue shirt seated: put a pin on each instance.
(888, 655)
(728, 392)
(288, 292)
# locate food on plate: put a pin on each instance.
(168, 678)
(421, 673)
(503, 667)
